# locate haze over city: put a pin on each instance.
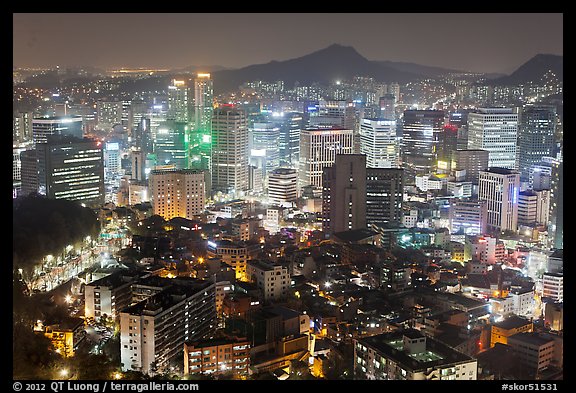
(478, 42)
(265, 196)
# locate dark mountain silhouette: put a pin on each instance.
(323, 66)
(533, 70)
(419, 69)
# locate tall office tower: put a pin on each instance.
(22, 127)
(447, 145)
(557, 202)
(394, 88)
(112, 158)
(495, 130)
(290, 126)
(384, 195)
(154, 330)
(177, 193)
(201, 135)
(334, 113)
(178, 104)
(230, 152)
(460, 121)
(64, 125)
(535, 137)
(378, 142)
(138, 167)
(534, 207)
(318, 149)
(142, 136)
(125, 116)
(283, 186)
(28, 172)
(344, 194)
(499, 187)
(170, 146)
(264, 138)
(16, 170)
(108, 114)
(387, 107)
(138, 110)
(468, 216)
(469, 160)
(71, 168)
(420, 141)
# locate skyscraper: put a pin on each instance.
(170, 146)
(499, 187)
(283, 186)
(264, 144)
(420, 141)
(495, 130)
(470, 160)
(71, 168)
(384, 195)
(344, 194)
(535, 137)
(201, 135)
(378, 142)
(178, 104)
(230, 151)
(387, 104)
(57, 125)
(289, 144)
(318, 149)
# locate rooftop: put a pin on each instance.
(530, 338)
(512, 322)
(436, 354)
(355, 235)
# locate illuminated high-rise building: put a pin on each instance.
(283, 186)
(112, 160)
(58, 125)
(71, 168)
(495, 130)
(201, 131)
(535, 137)
(318, 149)
(289, 144)
(108, 114)
(470, 160)
(344, 194)
(387, 107)
(421, 139)
(384, 195)
(378, 142)
(230, 151)
(264, 145)
(178, 104)
(499, 187)
(177, 193)
(170, 145)
(22, 127)
(334, 113)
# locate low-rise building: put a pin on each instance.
(410, 355)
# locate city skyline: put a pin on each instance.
(114, 40)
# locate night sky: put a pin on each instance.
(493, 42)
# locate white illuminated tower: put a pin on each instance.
(495, 130)
(499, 187)
(378, 142)
(318, 149)
(230, 151)
(178, 101)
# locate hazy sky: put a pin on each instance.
(492, 42)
